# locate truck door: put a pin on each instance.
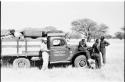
(58, 50)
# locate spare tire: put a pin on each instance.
(21, 63)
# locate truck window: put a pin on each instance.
(58, 42)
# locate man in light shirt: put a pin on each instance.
(45, 55)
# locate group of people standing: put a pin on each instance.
(98, 51)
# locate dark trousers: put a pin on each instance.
(40, 63)
(85, 50)
(97, 58)
(88, 54)
(103, 52)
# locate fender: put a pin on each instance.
(74, 55)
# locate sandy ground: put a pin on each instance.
(113, 71)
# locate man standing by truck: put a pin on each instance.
(45, 55)
(96, 54)
(103, 44)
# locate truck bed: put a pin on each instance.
(22, 47)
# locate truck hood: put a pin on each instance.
(73, 48)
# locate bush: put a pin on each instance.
(119, 35)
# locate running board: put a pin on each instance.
(61, 62)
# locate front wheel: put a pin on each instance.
(21, 63)
(80, 61)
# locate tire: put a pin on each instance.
(21, 63)
(80, 61)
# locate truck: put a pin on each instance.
(21, 53)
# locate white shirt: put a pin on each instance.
(43, 46)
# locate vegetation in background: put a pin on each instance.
(73, 35)
(120, 35)
(82, 27)
(89, 28)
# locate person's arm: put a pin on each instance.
(86, 45)
(93, 47)
(107, 43)
(80, 44)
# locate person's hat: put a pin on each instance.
(83, 39)
(97, 40)
(102, 37)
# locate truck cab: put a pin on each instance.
(59, 51)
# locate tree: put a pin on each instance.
(119, 35)
(108, 36)
(103, 28)
(89, 28)
(84, 26)
(73, 35)
(100, 30)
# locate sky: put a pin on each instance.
(60, 14)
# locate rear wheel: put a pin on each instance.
(80, 61)
(21, 63)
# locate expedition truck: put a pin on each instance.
(21, 52)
